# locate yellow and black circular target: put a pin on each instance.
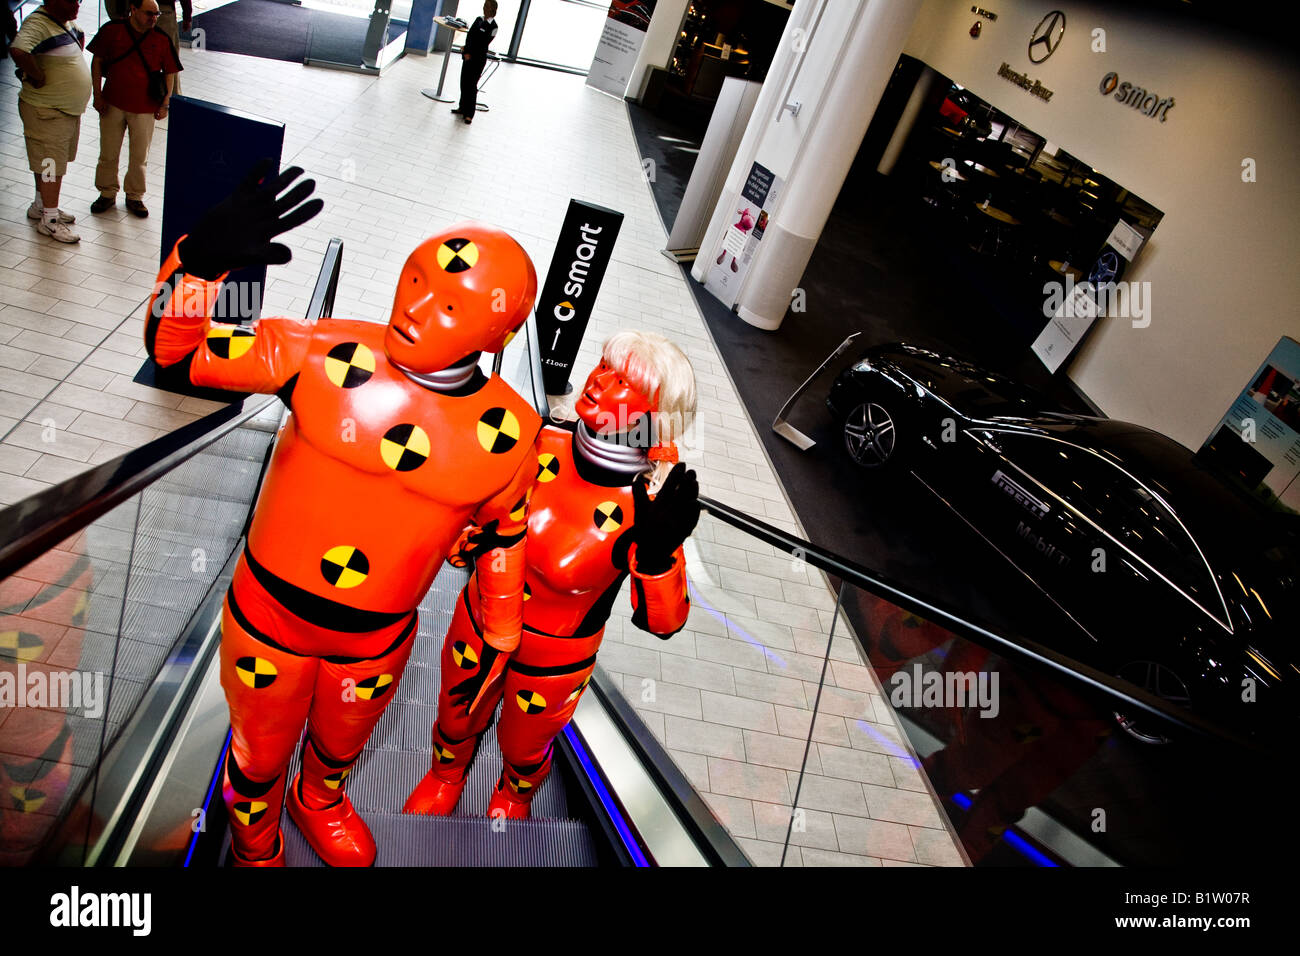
(577, 691)
(256, 672)
(528, 592)
(518, 784)
(249, 812)
(344, 566)
(608, 516)
(498, 430)
(520, 509)
(464, 656)
(335, 780)
(349, 364)
(375, 687)
(25, 799)
(457, 255)
(20, 645)
(230, 341)
(530, 701)
(405, 447)
(548, 467)
(442, 753)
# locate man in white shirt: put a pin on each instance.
(55, 91)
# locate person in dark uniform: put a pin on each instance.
(474, 58)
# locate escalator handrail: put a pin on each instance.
(34, 525)
(1006, 645)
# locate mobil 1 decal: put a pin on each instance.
(569, 292)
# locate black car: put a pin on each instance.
(1185, 586)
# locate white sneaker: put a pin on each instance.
(34, 212)
(59, 231)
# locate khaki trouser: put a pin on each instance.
(168, 25)
(113, 124)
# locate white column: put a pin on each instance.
(835, 61)
(660, 41)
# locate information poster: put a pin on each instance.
(1258, 441)
(620, 44)
(740, 240)
(1067, 327)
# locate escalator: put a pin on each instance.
(110, 601)
(119, 573)
(563, 830)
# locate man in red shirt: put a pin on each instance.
(126, 53)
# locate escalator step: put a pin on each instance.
(460, 841)
(383, 779)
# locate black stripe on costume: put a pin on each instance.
(528, 769)
(320, 611)
(469, 609)
(242, 620)
(489, 539)
(397, 642)
(303, 800)
(530, 670)
(448, 738)
(599, 612)
(285, 394)
(327, 760)
(243, 786)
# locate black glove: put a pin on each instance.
(660, 526)
(237, 232)
(469, 692)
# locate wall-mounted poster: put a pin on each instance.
(1258, 441)
(620, 43)
(740, 240)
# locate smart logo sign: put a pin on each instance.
(1136, 97)
(569, 293)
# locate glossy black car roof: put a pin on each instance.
(1222, 518)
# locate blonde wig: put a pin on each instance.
(657, 367)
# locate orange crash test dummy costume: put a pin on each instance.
(592, 522)
(395, 442)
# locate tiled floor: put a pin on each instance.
(732, 696)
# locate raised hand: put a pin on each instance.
(237, 232)
(663, 523)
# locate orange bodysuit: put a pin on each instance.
(579, 549)
(373, 477)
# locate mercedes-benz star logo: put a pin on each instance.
(1046, 36)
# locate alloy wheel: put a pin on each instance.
(1163, 682)
(869, 435)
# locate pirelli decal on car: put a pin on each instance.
(1020, 494)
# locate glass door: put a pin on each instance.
(562, 32)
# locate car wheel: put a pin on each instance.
(1162, 681)
(871, 435)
